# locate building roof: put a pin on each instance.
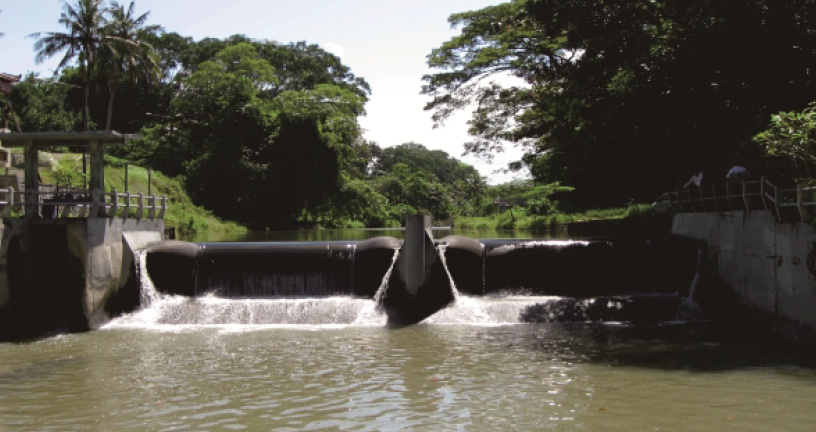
(6, 80)
(52, 139)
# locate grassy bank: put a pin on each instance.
(181, 214)
(511, 220)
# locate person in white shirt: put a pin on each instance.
(695, 180)
(736, 173)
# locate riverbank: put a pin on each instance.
(633, 221)
(182, 215)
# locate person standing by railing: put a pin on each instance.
(694, 180)
(736, 173)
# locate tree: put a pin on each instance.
(284, 151)
(128, 54)
(792, 135)
(413, 177)
(309, 65)
(45, 105)
(85, 22)
(622, 99)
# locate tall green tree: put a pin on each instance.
(284, 150)
(128, 53)
(622, 99)
(82, 42)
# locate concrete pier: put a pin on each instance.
(419, 285)
(417, 249)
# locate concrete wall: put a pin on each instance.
(69, 274)
(769, 265)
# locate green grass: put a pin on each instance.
(181, 214)
(519, 221)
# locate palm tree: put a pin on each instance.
(83, 41)
(127, 54)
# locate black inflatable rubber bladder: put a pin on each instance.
(171, 266)
(372, 259)
(527, 265)
(465, 259)
(575, 269)
(275, 269)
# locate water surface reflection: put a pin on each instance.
(559, 376)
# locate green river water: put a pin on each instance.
(433, 377)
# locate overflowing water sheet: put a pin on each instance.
(172, 312)
(168, 312)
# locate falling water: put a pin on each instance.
(441, 250)
(147, 292)
(380, 294)
(372, 313)
(688, 309)
(163, 311)
(487, 310)
(696, 281)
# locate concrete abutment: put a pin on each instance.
(767, 266)
(69, 274)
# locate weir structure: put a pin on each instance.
(415, 278)
(67, 255)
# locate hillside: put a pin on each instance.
(182, 214)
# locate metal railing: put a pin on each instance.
(51, 205)
(762, 194)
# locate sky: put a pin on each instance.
(385, 42)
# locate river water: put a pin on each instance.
(212, 364)
(431, 377)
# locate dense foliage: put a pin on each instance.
(620, 99)
(792, 138)
(259, 132)
(108, 43)
(615, 102)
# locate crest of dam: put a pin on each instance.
(415, 278)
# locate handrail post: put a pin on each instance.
(728, 194)
(163, 207)
(114, 203)
(126, 211)
(9, 202)
(745, 195)
(762, 192)
(679, 201)
(141, 206)
(151, 213)
(776, 203)
(799, 206)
